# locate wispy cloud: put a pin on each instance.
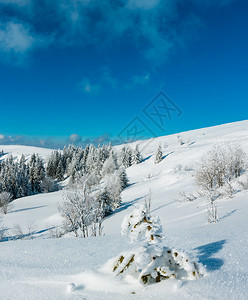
(154, 26)
(56, 143)
(97, 81)
(140, 80)
(86, 86)
(49, 142)
(15, 41)
(75, 138)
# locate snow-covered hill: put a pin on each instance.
(42, 268)
(16, 151)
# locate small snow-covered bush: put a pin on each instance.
(151, 262)
(140, 225)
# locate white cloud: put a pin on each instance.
(16, 42)
(107, 77)
(141, 80)
(95, 82)
(87, 87)
(15, 37)
(154, 26)
(49, 142)
(74, 138)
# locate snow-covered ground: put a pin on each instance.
(16, 151)
(69, 268)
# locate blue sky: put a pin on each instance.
(82, 70)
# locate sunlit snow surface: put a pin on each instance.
(69, 268)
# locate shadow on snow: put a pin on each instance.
(161, 206)
(207, 251)
(146, 158)
(167, 154)
(28, 208)
(126, 205)
(31, 235)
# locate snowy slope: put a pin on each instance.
(16, 151)
(43, 268)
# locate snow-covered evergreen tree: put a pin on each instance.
(136, 156)
(123, 177)
(105, 202)
(60, 171)
(151, 262)
(140, 225)
(158, 155)
(109, 166)
(15, 177)
(125, 157)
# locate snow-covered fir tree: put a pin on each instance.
(109, 166)
(158, 155)
(125, 157)
(136, 156)
(105, 202)
(60, 171)
(123, 177)
(21, 178)
(151, 262)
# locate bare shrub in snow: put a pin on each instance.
(75, 212)
(151, 262)
(83, 210)
(82, 214)
(17, 232)
(148, 201)
(212, 214)
(56, 232)
(26, 233)
(220, 166)
(189, 197)
(5, 199)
